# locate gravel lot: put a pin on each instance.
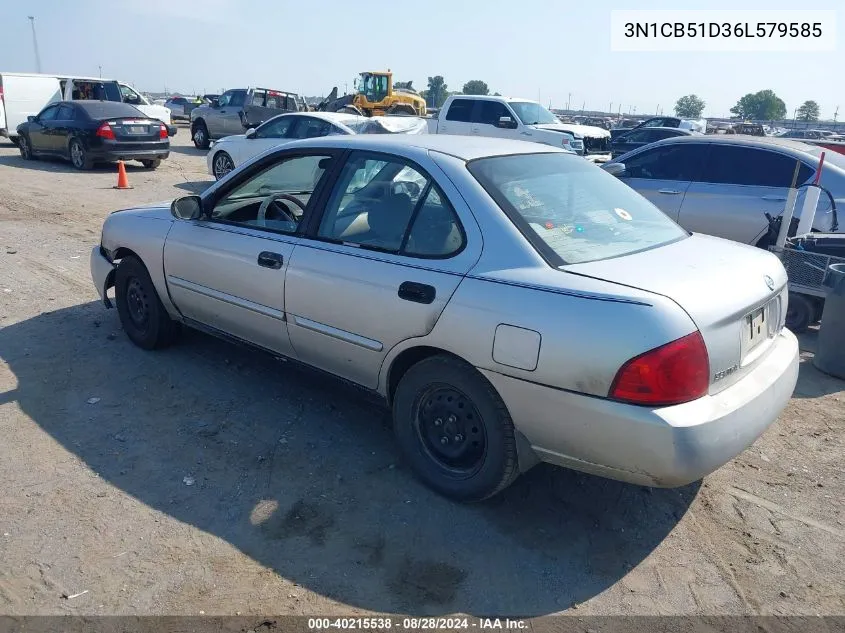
(210, 478)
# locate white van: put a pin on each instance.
(23, 95)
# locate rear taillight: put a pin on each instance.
(105, 131)
(671, 374)
(162, 131)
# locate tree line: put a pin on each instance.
(437, 91)
(763, 105)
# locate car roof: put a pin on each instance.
(771, 142)
(463, 147)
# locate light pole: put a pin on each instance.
(610, 108)
(31, 19)
(101, 71)
(568, 99)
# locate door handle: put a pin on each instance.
(270, 260)
(418, 293)
(775, 198)
(673, 192)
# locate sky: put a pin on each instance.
(554, 50)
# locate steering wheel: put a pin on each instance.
(262, 210)
(411, 188)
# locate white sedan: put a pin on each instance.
(232, 151)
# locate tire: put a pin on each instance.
(800, 313)
(222, 164)
(199, 134)
(79, 156)
(141, 312)
(401, 109)
(454, 430)
(151, 164)
(25, 147)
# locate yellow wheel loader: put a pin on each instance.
(375, 96)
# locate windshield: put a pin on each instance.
(531, 113)
(571, 210)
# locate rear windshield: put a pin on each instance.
(571, 210)
(108, 109)
(830, 157)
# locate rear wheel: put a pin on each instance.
(25, 147)
(222, 165)
(79, 156)
(200, 135)
(454, 429)
(800, 313)
(142, 315)
(151, 164)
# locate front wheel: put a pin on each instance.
(200, 136)
(142, 315)
(454, 429)
(25, 147)
(79, 156)
(222, 165)
(151, 164)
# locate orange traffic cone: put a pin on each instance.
(122, 180)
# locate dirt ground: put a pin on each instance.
(209, 478)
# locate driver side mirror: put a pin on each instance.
(507, 123)
(250, 133)
(614, 169)
(31, 118)
(187, 208)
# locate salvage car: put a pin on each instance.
(87, 132)
(231, 151)
(724, 185)
(511, 302)
(639, 138)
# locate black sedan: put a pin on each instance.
(643, 136)
(87, 132)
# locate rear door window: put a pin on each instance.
(258, 98)
(680, 162)
(65, 113)
(751, 166)
(460, 110)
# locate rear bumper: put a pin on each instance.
(115, 152)
(666, 447)
(102, 274)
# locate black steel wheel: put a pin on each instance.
(454, 430)
(142, 315)
(450, 428)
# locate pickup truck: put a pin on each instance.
(520, 119)
(237, 110)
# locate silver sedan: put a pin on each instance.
(510, 302)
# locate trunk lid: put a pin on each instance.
(134, 130)
(735, 294)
